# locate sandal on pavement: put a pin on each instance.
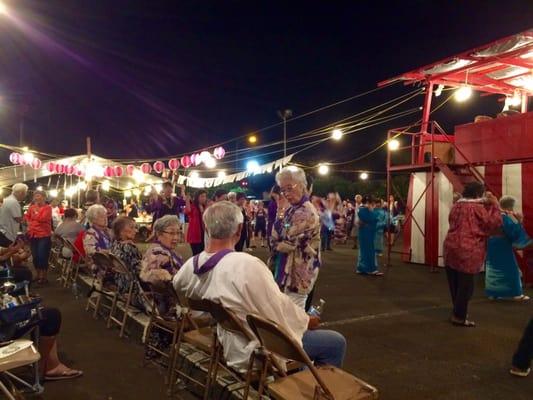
(519, 372)
(465, 323)
(377, 273)
(66, 373)
(521, 298)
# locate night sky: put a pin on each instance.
(154, 78)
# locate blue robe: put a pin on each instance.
(367, 236)
(381, 215)
(502, 275)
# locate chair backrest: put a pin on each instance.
(102, 260)
(118, 265)
(276, 340)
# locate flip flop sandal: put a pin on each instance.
(466, 323)
(377, 273)
(519, 372)
(67, 374)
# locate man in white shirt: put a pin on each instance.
(11, 214)
(243, 284)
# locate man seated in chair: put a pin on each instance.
(244, 285)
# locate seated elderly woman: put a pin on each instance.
(161, 261)
(97, 237)
(124, 230)
(502, 276)
(69, 229)
(295, 239)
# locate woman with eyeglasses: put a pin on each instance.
(295, 239)
(161, 261)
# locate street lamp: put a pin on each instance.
(363, 176)
(284, 115)
(394, 144)
(323, 169)
(252, 139)
(336, 134)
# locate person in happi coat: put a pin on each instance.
(97, 237)
(472, 219)
(295, 240)
(368, 220)
(502, 274)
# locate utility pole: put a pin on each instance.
(284, 115)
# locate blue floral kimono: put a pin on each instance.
(381, 215)
(367, 236)
(502, 275)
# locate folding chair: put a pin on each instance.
(98, 289)
(22, 353)
(55, 253)
(313, 383)
(120, 269)
(73, 267)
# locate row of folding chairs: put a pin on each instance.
(67, 259)
(298, 378)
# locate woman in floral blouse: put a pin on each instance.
(124, 230)
(472, 219)
(97, 237)
(295, 239)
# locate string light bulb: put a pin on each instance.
(463, 94)
(221, 174)
(323, 169)
(393, 145)
(363, 176)
(336, 134)
(106, 186)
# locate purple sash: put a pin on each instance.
(210, 263)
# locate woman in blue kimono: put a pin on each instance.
(367, 236)
(502, 276)
(381, 215)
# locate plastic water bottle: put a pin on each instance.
(318, 309)
(76, 290)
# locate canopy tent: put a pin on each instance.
(25, 173)
(501, 67)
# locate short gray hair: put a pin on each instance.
(507, 202)
(94, 211)
(292, 173)
(19, 187)
(232, 196)
(222, 219)
(161, 224)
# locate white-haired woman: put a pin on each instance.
(161, 261)
(295, 239)
(97, 237)
(502, 275)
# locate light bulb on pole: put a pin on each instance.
(393, 145)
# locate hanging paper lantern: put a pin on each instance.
(109, 171)
(129, 169)
(79, 171)
(186, 161)
(51, 167)
(219, 152)
(119, 171)
(69, 169)
(204, 156)
(36, 163)
(197, 159)
(159, 166)
(15, 158)
(59, 169)
(173, 164)
(146, 168)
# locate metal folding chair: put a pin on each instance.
(27, 355)
(315, 383)
(98, 290)
(120, 269)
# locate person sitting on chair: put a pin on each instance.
(244, 285)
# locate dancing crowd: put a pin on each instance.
(296, 226)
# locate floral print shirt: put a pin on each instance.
(131, 256)
(295, 243)
(159, 264)
(471, 222)
(94, 240)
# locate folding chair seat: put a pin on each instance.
(10, 359)
(99, 290)
(314, 383)
(120, 269)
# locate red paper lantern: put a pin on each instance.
(15, 158)
(159, 166)
(173, 164)
(36, 163)
(60, 168)
(69, 169)
(219, 152)
(186, 161)
(109, 171)
(119, 171)
(79, 172)
(129, 169)
(51, 167)
(146, 168)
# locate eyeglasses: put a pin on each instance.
(171, 233)
(288, 189)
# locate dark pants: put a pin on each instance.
(197, 248)
(40, 251)
(4, 241)
(524, 353)
(461, 289)
(325, 238)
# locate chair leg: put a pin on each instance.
(172, 354)
(7, 392)
(126, 309)
(97, 305)
(112, 310)
(249, 376)
(262, 378)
